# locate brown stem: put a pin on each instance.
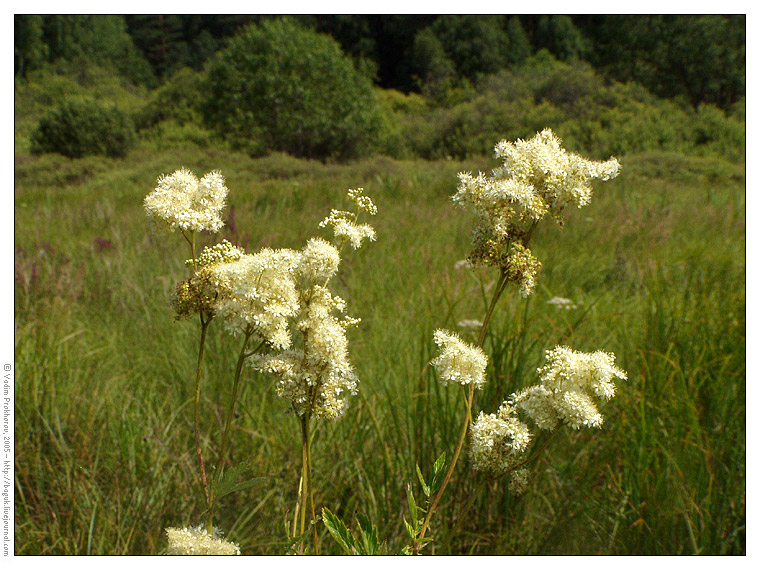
(204, 481)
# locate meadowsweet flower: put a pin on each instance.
(258, 291)
(197, 540)
(459, 361)
(317, 378)
(344, 223)
(557, 176)
(470, 324)
(568, 382)
(223, 252)
(538, 404)
(319, 260)
(537, 177)
(498, 440)
(569, 370)
(182, 201)
(346, 229)
(363, 203)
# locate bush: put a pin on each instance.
(279, 86)
(84, 127)
(179, 99)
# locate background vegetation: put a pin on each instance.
(655, 266)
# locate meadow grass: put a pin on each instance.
(104, 375)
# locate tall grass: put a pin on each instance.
(104, 437)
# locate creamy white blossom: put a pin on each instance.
(318, 377)
(568, 382)
(258, 291)
(197, 541)
(498, 440)
(363, 203)
(319, 260)
(458, 361)
(558, 176)
(182, 201)
(345, 228)
(562, 303)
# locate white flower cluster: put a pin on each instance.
(568, 382)
(344, 223)
(346, 229)
(537, 176)
(556, 176)
(318, 377)
(197, 541)
(182, 201)
(498, 440)
(259, 291)
(319, 260)
(562, 303)
(223, 252)
(458, 361)
(363, 203)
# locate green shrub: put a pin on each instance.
(84, 127)
(279, 86)
(180, 99)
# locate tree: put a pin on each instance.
(280, 86)
(29, 48)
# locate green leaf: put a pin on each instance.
(338, 530)
(368, 535)
(227, 481)
(410, 529)
(425, 488)
(440, 463)
(413, 508)
(438, 469)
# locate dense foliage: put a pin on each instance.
(84, 127)
(700, 58)
(280, 86)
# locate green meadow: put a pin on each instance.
(653, 270)
(655, 266)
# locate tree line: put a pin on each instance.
(700, 58)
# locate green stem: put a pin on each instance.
(228, 422)
(500, 285)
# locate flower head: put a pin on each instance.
(318, 377)
(258, 291)
(459, 361)
(182, 201)
(344, 223)
(319, 260)
(197, 540)
(569, 381)
(346, 229)
(498, 440)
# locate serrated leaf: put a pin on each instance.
(228, 481)
(368, 534)
(439, 463)
(413, 508)
(438, 469)
(338, 530)
(425, 488)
